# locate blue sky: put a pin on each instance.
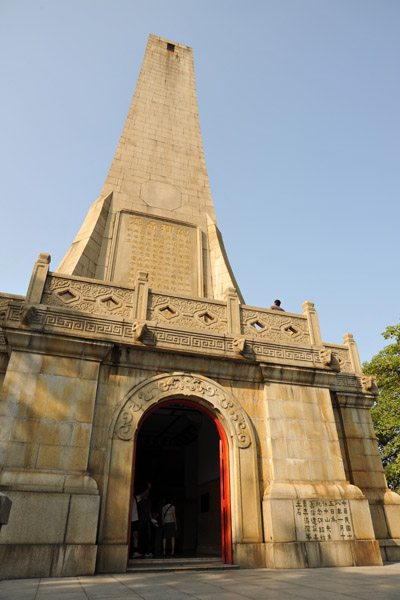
(299, 109)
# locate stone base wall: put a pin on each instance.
(24, 561)
(390, 550)
(112, 558)
(300, 555)
(385, 513)
(63, 527)
(51, 518)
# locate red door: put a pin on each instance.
(225, 503)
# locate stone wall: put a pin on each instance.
(80, 351)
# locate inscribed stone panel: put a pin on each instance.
(167, 250)
(323, 520)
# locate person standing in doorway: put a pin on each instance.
(135, 523)
(145, 516)
(168, 516)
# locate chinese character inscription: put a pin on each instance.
(166, 250)
(323, 520)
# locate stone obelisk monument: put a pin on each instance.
(143, 319)
(155, 213)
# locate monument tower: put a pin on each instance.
(137, 360)
(155, 212)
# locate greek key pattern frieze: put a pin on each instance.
(293, 354)
(89, 297)
(5, 302)
(191, 314)
(275, 327)
(76, 324)
(188, 340)
(163, 337)
(345, 383)
(186, 385)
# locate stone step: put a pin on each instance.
(169, 563)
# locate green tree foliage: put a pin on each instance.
(386, 411)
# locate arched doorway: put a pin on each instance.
(235, 429)
(182, 449)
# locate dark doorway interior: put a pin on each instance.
(177, 450)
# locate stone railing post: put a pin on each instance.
(233, 311)
(141, 296)
(349, 341)
(38, 279)
(313, 323)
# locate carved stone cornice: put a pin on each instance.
(353, 386)
(239, 345)
(326, 357)
(27, 315)
(349, 387)
(68, 322)
(71, 324)
(5, 301)
(28, 341)
(297, 375)
(139, 331)
(369, 384)
(348, 400)
(340, 359)
(3, 341)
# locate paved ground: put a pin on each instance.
(367, 583)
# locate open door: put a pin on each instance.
(225, 504)
(182, 448)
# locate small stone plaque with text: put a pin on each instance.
(323, 520)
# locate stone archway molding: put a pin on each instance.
(153, 390)
(117, 485)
